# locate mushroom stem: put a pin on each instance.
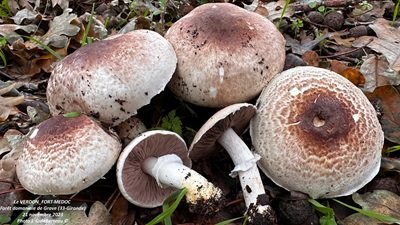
(245, 165)
(169, 170)
(258, 210)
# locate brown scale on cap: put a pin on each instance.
(317, 133)
(226, 54)
(65, 155)
(112, 78)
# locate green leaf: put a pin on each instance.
(71, 114)
(4, 219)
(3, 59)
(225, 222)
(328, 217)
(172, 122)
(312, 5)
(175, 199)
(85, 40)
(371, 214)
(51, 51)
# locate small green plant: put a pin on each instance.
(172, 122)
(328, 215)
(283, 12)
(366, 6)
(169, 206)
(297, 24)
(372, 214)
(392, 149)
(88, 40)
(5, 10)
(4, 219)
(3, 43)
(396, 11)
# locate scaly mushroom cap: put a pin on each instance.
(226, 54)
(135, 185)
(111, 79)
(66, 155)
(317, 133)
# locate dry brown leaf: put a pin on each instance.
(380, 201)
(377, 73)
(352, 74)
(311, 58)
(121, 212)
(8, 31)
(386, 42)
(24, 14)
(343, 41)
(8, 104)
(60, 28)
(387, 100)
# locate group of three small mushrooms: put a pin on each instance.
(312, 130)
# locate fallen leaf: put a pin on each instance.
(7, 104)
(337, 66)
(8, 31)
(343, 41)
(360, 219)
(350, 73)
(311, 58)
(387, 100)
(60, 28)
(62, 3)
(386, 42)
(365, 13)
(24, 14)
(121, 212)
(377, 73)
(380, 201)
(275, 10)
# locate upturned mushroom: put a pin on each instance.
(112, 78)
(222, 129)
(225, 53)
(316, 133)
(154, 165)
(64, 155)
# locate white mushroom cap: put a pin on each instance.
(317, 133)
(66, 155)
(226, 54)
(111, 79)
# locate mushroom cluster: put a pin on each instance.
(111, 79)
(64, 155)
(316, 133)
(225, 53)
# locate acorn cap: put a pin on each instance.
(236, 116)
(111, 79)
(63, 155)
(135, 185)
(225, 53)
(316, 133)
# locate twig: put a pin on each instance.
(346, 52)
(11, 190)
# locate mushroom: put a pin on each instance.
(154, 165)
(129, 129)
(226, 54)
(112, 78)
(64, 155)
(316, 133)
(222, 129)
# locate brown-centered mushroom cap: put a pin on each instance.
(226, 54)
(66, 155)
(112, 78)
(317, 133)
(236, 116)
(137, 186)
